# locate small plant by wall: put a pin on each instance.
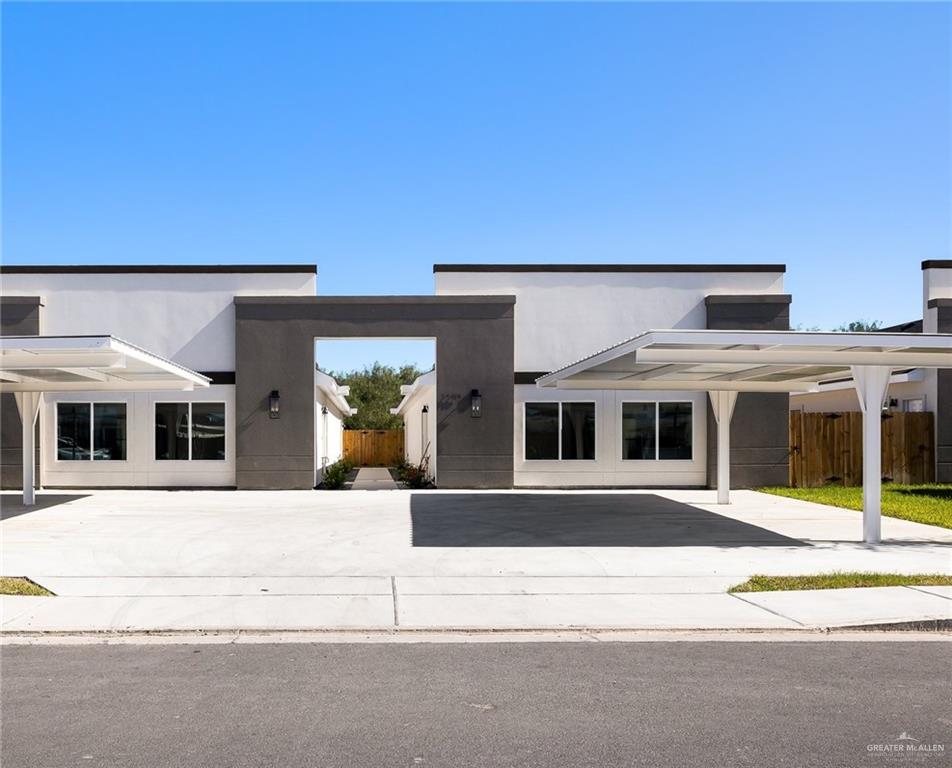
(335, 475)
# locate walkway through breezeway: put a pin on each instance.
(374, 479)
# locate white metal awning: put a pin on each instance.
(724, 363)
(746, 361)
(87, 363)
(32, 365)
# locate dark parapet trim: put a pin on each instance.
(219, 377)
(937, 264)
(528, 377)
(711, 268)
(447, 299)
(757, 298)
(934, 303)
(158, 269)
(32, 301)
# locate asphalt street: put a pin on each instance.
(659, 704)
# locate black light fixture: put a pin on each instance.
(323, 410)
(426, 409)
(274, 404)
(475, 404)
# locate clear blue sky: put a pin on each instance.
(375, 140)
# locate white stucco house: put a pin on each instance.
(511, 402)
(418, 411)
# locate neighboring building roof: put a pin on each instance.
(145, 269)
(337, 393)
(913, 326)
(609, 267)
(87, 363)
(409, 391)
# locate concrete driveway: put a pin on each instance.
(308, 559)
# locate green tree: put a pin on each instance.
(859, 326)
(373, 392)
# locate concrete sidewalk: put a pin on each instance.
(375, 603)
(374, 479)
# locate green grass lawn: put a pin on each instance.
(930, 504)
(840, 580)
(17, 585)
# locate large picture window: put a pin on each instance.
(190, 431)
(91, 431)
(657, 431)
(559, 431)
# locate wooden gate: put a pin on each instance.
(373, 447)
(827, 448)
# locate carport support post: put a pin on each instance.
(871, 382)
(723, 405)
(28, 403)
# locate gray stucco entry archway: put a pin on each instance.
(274, 339)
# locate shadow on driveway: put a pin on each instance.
(12, 506)
(576, 520)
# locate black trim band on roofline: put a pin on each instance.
(755, 298)
(933, 303)
(147, 269)
(609, 268)
(528, 377)
(937, 264)
(219, 377)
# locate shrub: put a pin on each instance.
(414, 475)
(335, 475)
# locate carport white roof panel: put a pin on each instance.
(87, 363)
(758, 361)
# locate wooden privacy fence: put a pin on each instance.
(373, 447)
(827, 448)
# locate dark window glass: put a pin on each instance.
(542, 431)
(171, 431)
(638, 430)
(674, 430)
(72, 431)
(578, 430)
(109, 431)
(208, 431)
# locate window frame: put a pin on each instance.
(92, 431)
(657, 426)
(559, 403)
(189, 403)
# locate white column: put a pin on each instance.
(28, 403)
(723, 406)
(871, 382)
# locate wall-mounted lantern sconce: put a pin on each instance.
(323, 410)
(475, 404)
(274, 404)
(426, 409)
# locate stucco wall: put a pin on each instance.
(760, 427)
(275, 350)
(419, 428)
(18, 317)
(564, 316)
(188, 317)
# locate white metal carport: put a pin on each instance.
(32, 365)
(723, 363)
